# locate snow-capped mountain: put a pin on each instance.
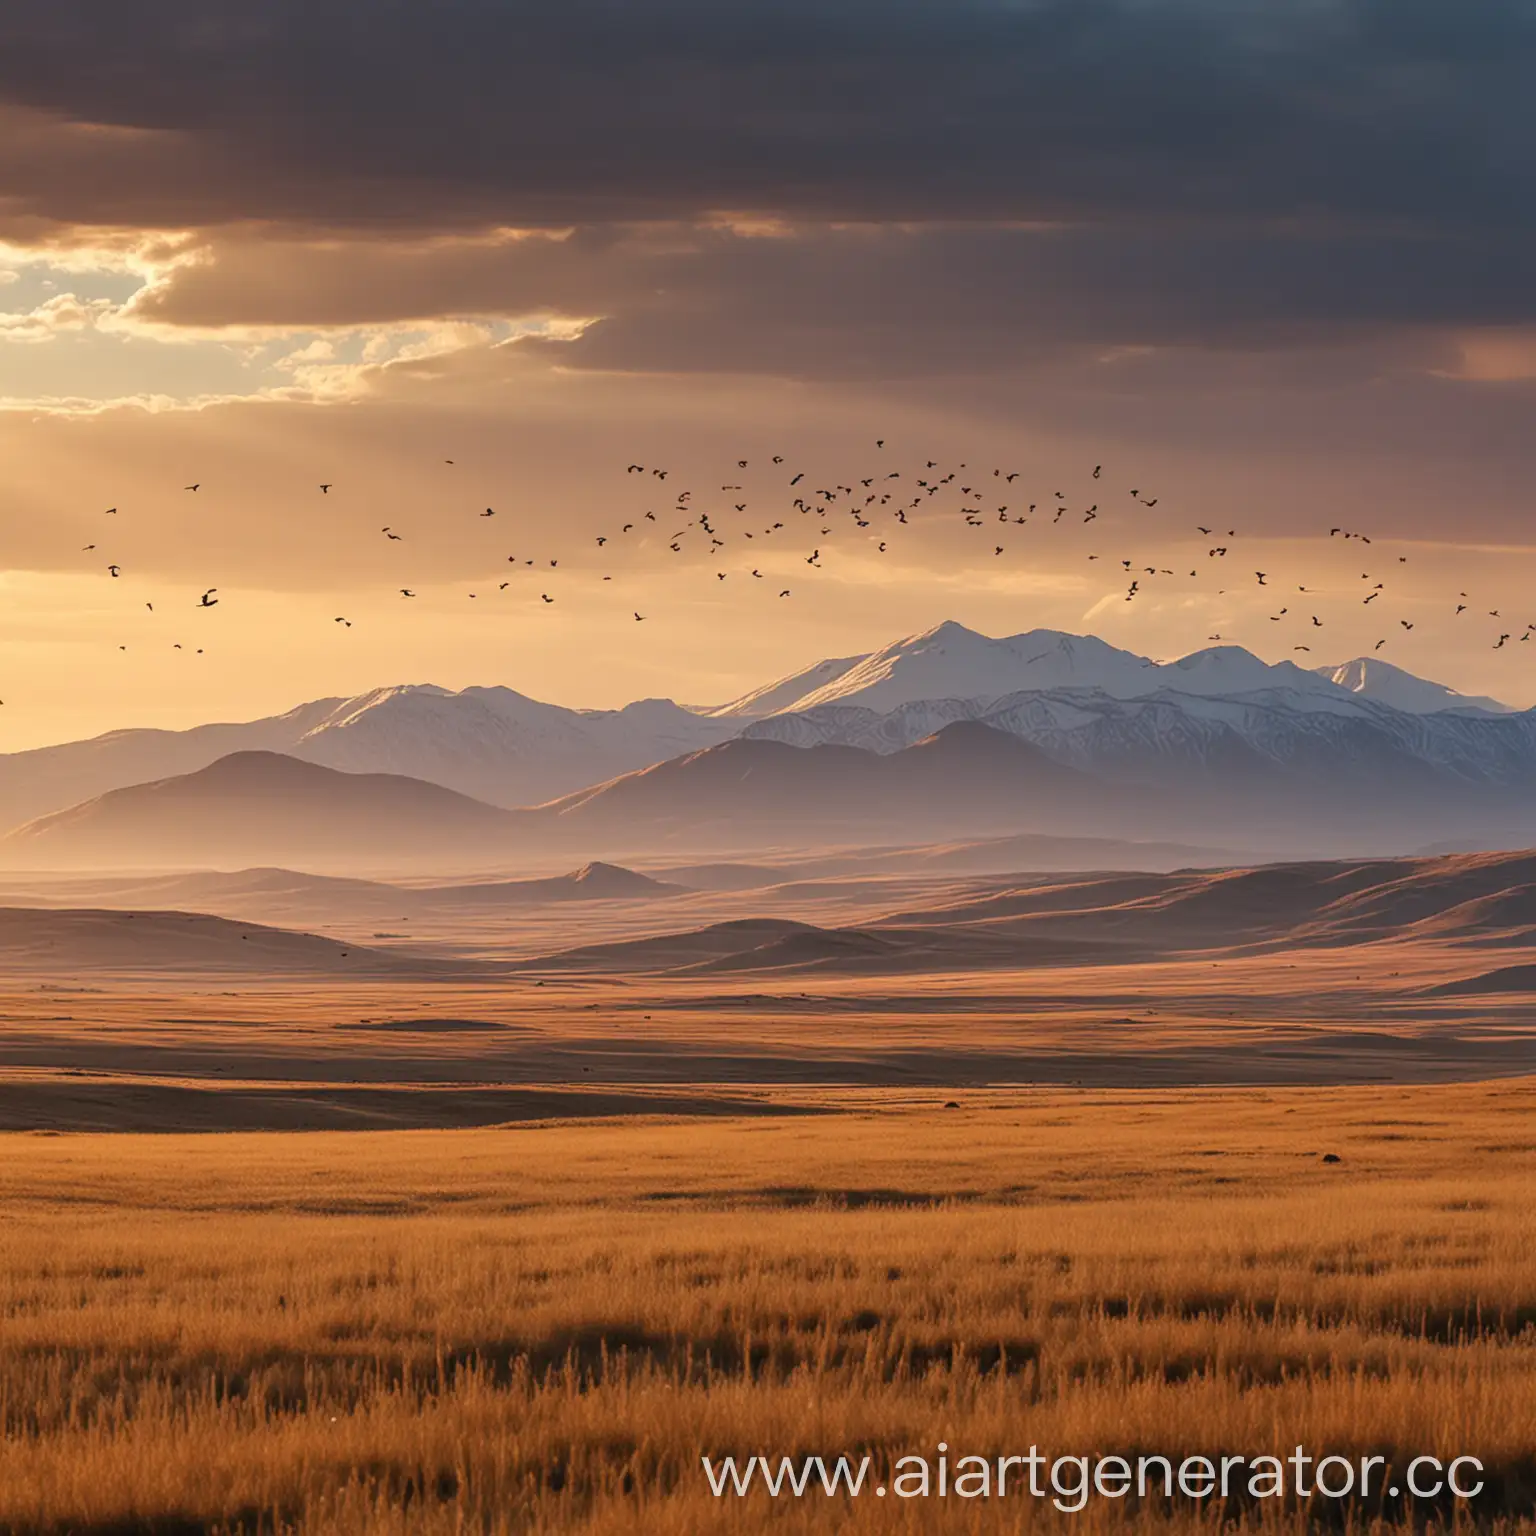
(1297, 732)
(492, 743)
(500, 745)
(1380, 680)
(786, 692)
(952, 662)
(1083, 701)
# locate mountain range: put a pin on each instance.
(940, 734)
(493, 744)
(951, 661)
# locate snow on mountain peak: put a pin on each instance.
(951, 661)
(1231, 669)
(1375, 679)
(785, 692)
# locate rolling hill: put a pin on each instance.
(79, 942)
(1478, 901)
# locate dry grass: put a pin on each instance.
(541, 1329)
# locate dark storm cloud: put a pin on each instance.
(1416, 112)
(1040, 174)
(874, 300)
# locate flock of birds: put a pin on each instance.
(764, 518)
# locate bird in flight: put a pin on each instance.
(325, 488)
(193, 486)
(115, 570)
(208, 600)
(406, 592)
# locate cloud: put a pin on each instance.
(551, 110)
(1272, 257)
(834, 189)
(854, 300)
(58, 315)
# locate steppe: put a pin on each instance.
(518, 1208)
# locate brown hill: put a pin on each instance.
(65, 944)
(1473, 899)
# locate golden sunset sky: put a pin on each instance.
(1267, 264)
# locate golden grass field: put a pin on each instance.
(541, 1328)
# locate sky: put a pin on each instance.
(1268, 264)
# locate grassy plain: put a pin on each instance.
(541, 1328)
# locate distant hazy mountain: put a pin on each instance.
(499, 745)
(492, 743)
(1250, 764)
(1063, 692)
(1268, 772)
(1165, 736)
(263, 804)
(49, 778)
(1380, 680)
(966, 776)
